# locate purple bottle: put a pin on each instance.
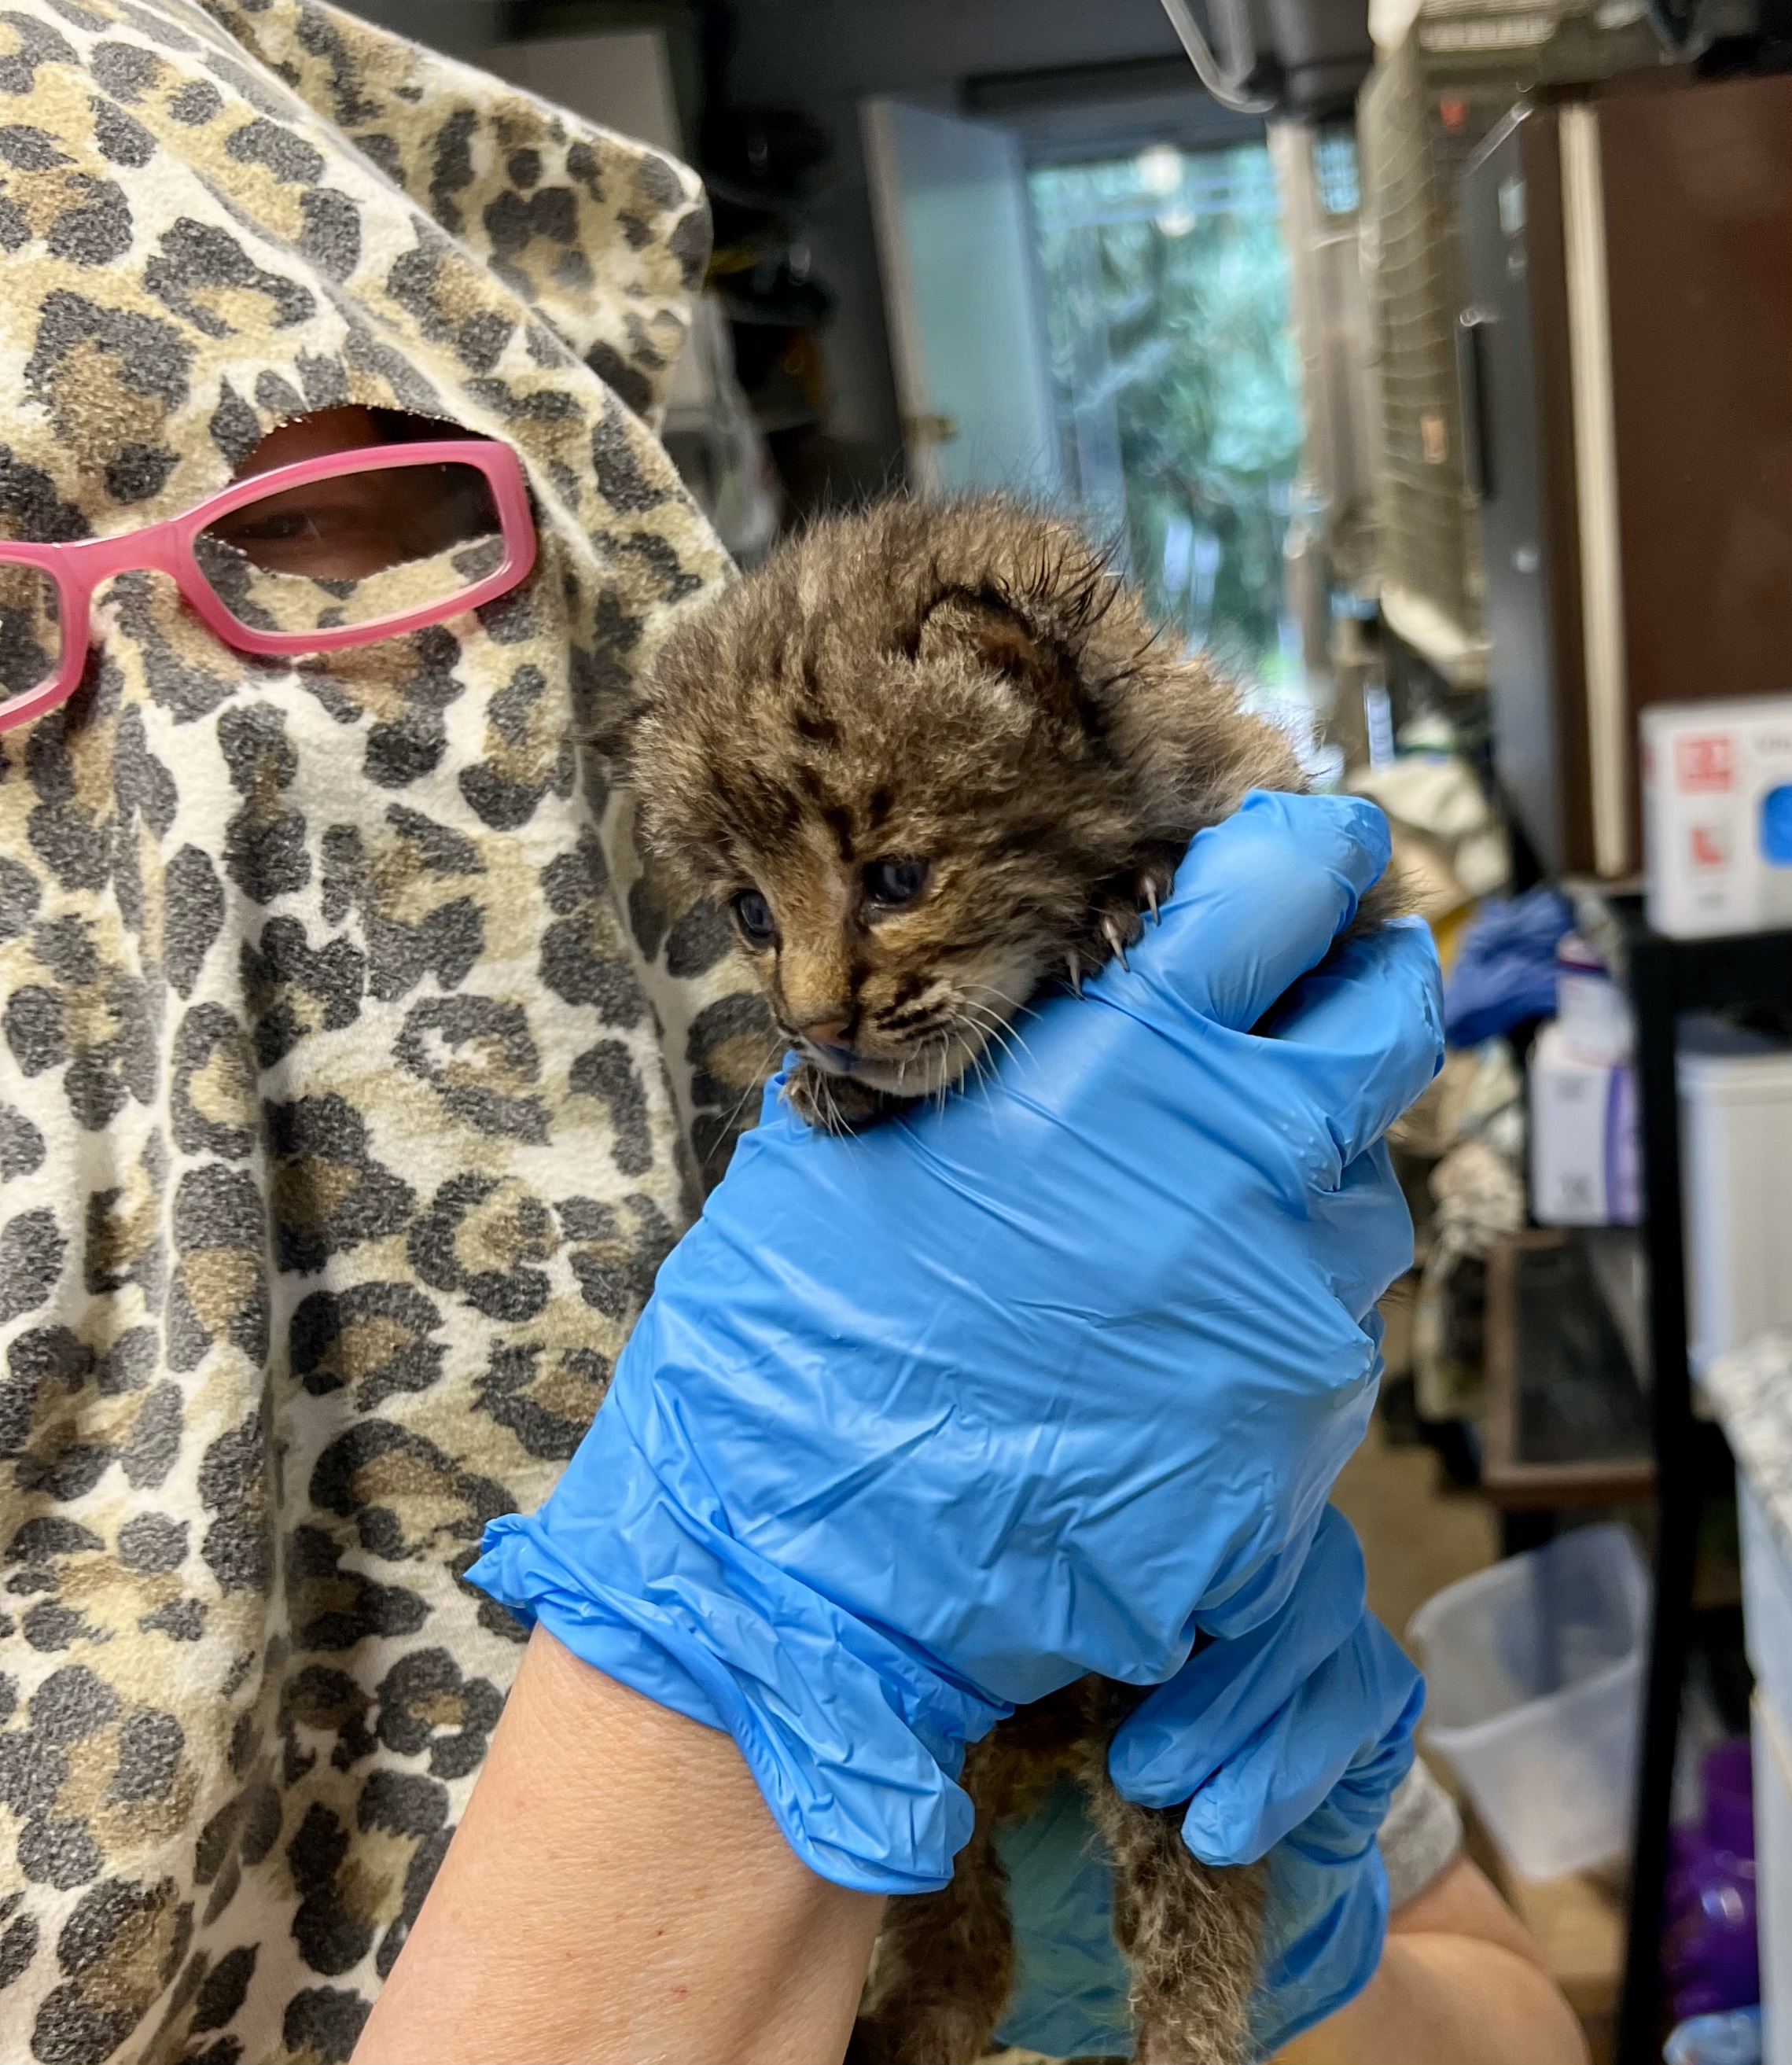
(1708, 1953)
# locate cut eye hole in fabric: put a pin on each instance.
(366, 549)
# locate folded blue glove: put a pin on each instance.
(1290, 1741)
(925, 1422)
(1325, 1918)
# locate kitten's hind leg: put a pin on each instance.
(1191, 1933)
(944, 1965)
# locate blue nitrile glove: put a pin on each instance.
(924, 1423)
(1326, 1918)
(1287, 1742)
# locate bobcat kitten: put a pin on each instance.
(933, 759)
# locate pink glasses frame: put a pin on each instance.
(78, 567)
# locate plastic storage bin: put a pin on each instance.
(1773, 1845)
(1535, 1669)
(1767, 1621)
(1735, 1162)
(1717, 2039)
(1766, 1602)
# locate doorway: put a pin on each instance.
(1127, 313)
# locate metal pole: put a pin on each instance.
(1655, 971)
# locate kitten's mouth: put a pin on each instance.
(914, 1072)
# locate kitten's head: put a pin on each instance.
(882, 756)
(885, 754)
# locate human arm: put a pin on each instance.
(915, 1425)
(617, 1892)
(1460, 1978)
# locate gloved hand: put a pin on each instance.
(1308, 1789)
(1287, 1742)
(925, 1422)
(1325, 1918)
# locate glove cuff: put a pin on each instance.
(1311, 1971)
(858, 1772)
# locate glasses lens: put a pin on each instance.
(354, 548)
(31, 630)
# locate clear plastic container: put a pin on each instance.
(1717, 2039)
(1535, 1668)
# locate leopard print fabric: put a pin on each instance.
(355, 1072)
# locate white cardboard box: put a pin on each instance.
(1584, 1169)
(1718, 816)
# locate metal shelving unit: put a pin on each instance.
(1667, 977)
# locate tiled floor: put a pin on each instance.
(1418, 1535)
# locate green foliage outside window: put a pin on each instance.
(1166, 292)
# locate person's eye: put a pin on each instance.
(267, 527)
(753, 915)
(893, 883)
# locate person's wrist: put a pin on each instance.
(823, 1707)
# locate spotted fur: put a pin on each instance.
(356, 1068)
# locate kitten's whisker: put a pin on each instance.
(985, 1075)
(754, 1088)
(994, 1037)
(994, 1026)
(988, 1026)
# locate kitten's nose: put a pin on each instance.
(830, 1034)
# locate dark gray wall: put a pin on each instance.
(462, 28)
(827, 55)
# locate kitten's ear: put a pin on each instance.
(613, 735)
(996, 633)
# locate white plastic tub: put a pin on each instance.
(1535, 1669)
(1736, 1163)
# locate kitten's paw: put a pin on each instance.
(834, 1103)
(1156, 879)
(1116, 923)
(1118, 912)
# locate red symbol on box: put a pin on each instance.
(1710, 845)
(1704, 763)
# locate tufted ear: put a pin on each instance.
(995, 633)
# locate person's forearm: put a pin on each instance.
(617, 1894)
(1459, 1980)
(1441, 1997)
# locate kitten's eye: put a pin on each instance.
(893, 883)
(753, 915)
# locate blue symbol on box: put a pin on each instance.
(1776, 825)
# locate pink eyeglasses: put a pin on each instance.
(307, 558)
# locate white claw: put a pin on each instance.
(1075, 963)
(1112, 933)
(1151, 897)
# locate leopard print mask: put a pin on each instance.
(355, 1074)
